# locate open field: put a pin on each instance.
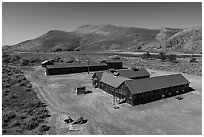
(167, 116)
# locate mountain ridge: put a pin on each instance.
(109, 37)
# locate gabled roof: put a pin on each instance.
(98, 75)
(155, 83)
(130, 73)
(68, 65)
(47, 61)
(114, 81)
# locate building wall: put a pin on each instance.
(115, 65)
(150, 96)
(121, 92)
(69, 70)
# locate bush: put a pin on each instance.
(5, 58)
(8, 116)
(193, 60)
(24, 62)
(115, 57)
(56, 50)
(172, 58)
(162, 56)
(71, 60)
(146, 55)
(31, 124)
(57, 59)
(15, 58)
(44, 128)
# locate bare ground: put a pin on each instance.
(167, 116)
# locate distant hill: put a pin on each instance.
(108, 37)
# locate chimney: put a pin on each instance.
(134, 68)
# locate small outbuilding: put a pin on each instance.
(47, 62)
(80, 90)
(113, 64)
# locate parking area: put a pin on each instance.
(167, 116)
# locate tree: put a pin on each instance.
(172, 58)
(162, 56)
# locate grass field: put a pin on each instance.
(167, 116)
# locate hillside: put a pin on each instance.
(109, 37)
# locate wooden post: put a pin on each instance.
(88, 65)
(113, 98)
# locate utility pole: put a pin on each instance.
(113, 98)
(88, 65)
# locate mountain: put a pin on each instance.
(107, 37)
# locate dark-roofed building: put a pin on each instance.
(112, 84)
(134, 73)
(58, 69)
(114, 64)
(143, 90)
(47, 62)
(154, 88)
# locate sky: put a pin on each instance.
(23, 21)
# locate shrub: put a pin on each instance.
(56, 50)
(115, 57)
(146, 55)
(15, 58)
(172, 58)
(162, 56)
(5, 58)
(57, 59)
(44, 128)
(31, 124)
(8, 116)
(71, 60)
(24, 62)
(193, 60)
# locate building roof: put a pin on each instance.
(155, 83)
(68, 65)
(114, 81)
(112, 61)
(98, 75)
(131, 73)
(47, 61)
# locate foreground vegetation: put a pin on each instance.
(22, 111)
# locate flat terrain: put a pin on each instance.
(167, 116)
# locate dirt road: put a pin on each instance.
(167, 116)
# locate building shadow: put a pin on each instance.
(121, 102)
(88, 91)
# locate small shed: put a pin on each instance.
(47, 62)
(113, 64)
(80, 90)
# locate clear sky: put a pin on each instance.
(23, 21)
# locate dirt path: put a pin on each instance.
(168, 116)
